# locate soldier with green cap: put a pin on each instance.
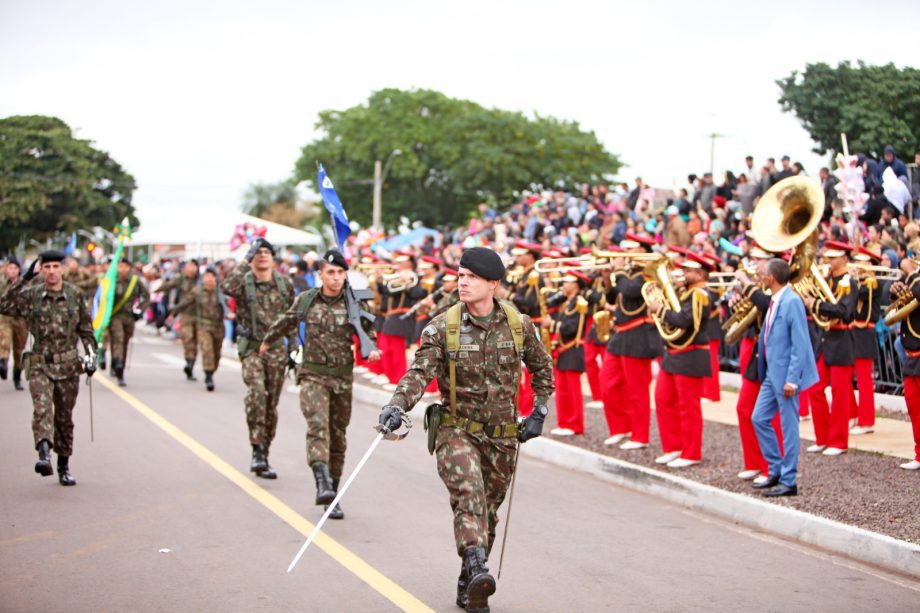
(58, 319)
(475, 350)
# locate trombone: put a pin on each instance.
(861, 270)
(564, 265)
(398, 281)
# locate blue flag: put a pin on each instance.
(334, 206)
(71, 245)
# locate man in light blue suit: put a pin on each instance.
(786, 365)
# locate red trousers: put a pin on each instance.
(594, 356)
(393, 360)
(374, 367)
(625, 385)
(570, 406)
(832, 423)
(525, 394)
(864, 410)
(711, 388)
(912, 397)
(679, 416)
(804, 403)
(747, 399)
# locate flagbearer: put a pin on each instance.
(130, 300)
(475, 350)
(325, 372)
(57, 317)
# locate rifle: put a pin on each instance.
(356, 314)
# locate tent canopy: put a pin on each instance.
(210, 229)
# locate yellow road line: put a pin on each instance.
(361, 569)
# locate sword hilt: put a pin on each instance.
(395, 436)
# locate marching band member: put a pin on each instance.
(396, 333)
(910, 336)
(594, 346)
(712, 389)
(626, 374)
(836, 355)
(569, 355)
(525, 294)
(865, 343)
(686, 364)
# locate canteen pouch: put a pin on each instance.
(242, 345)
(26, 363)
(432, 424)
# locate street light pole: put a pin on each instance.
(380, 175)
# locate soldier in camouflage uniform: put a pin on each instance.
(262, 295)
(188, 318)
(130, 300)
(325, 373)
(476, 448)
(58, 318)
(204, 305)
(13, 330)
(82, 278)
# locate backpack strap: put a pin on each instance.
(453, 348)
(517, 333)
(249, 284)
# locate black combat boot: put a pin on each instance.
(189, 365)
(267, 472)
(17, 379)
(64, 476)
(43, 466)
(102, 359)
(209, 380)
(480, 584)
(118, 369)
(259, 463)
(324, 492)
(337, 512)
(4, 365)
(462, 599)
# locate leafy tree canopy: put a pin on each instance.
(454, 155)
(51, 182)
(873, 105)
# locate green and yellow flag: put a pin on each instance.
(105, 293)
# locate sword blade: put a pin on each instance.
(335, 501)
(501, 557)
(92, 436)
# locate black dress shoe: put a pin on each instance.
(782, 490)
(770, 482)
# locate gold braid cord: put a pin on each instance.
(700, 302)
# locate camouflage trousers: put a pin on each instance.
(325, 402)
(13, 334)
(210, 340)
(264, 379)
(188, 334)
(477, 471)
(52, 410)
(120, 330)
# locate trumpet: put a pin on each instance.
(564, 265)
(862, 270)
(399, 282)
(514, 275)
(635, 257)
(902, 305)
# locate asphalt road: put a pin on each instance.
(166, 517)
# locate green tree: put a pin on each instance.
(260, 198)
(455, 154)
(873, 105)
(51, 182)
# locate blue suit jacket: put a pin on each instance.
(788, 357)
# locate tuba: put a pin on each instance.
(902, 305)
(658, 287)
(787, 217)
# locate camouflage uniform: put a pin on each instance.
(445, 302)
(188, 321)
(206, 310)
(13, 332)
(477, 468)
(263, 375)
(325, 373)
(121, 325)
(57, 320)
(85, 281)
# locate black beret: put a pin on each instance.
(261, 242)
(335, 257)
(12, 260)
(483, 262)
(210, 270)
(51, 256)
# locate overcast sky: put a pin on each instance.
(199, 99)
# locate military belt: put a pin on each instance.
(55, 358)
(324, 369)
(471, 426)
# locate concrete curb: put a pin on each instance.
(877, 549)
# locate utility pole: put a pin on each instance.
(712, 150)
(378, 194)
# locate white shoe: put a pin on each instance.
(760, 479)
(380, 379)
(370, 376)
(705, 400)
(595, 404)
(912, 465)
(562, 432)
(631, 445)
(833, 451)
(668, 457)
(862, 430)
(616, 438)
(816, 449)
(360, 370)
(748, 474)
(390, 387)
(682, 463)
(853, 422)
